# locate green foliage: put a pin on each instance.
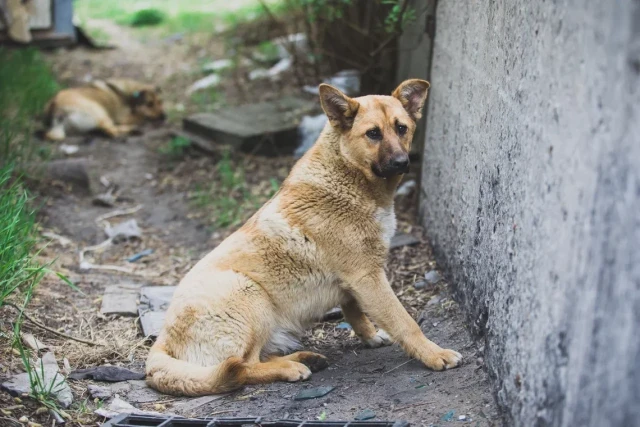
(147, 18)
(396, 19)
(176, 147)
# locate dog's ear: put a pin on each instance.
(412, 94)
(339, 108)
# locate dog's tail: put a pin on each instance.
(178, 377)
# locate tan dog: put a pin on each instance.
(322, 240)
(116, 107)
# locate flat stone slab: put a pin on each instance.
(403, 239)
(46, 369)
(266, 128)
(121, 299)
(154, 301)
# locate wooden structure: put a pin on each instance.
(50, 23)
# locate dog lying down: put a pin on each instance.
(322, 240)
(116, 107)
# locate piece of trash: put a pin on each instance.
(106, 373)
(309, 130)
(292, 43)
(273, 72)
(46, 372)
(432, 277)
(420, 386)
(367, 414)
(123, 231)
(406, 188)
(69, 149)
(119, 406)
(33, 342)
(204, 83)
(333, 314)
(462, 417)
(347, 81)
(121, 299)
(107, 199)
(218, 65)
(448, 416)
(343, 325)
(136, 257)
(313, 393)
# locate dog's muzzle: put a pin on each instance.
(396, 165)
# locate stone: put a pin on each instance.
(154, 301)
(273, 129)
(46, 369)
(367, 414)
(313, 393)
(106, 373)
(123, 230)
(99, 392)
(121, 300)
(403, 239)
(432, 277)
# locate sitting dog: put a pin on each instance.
(322, 240)
(116, 107)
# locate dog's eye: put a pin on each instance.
(402, 129)
(374, 134)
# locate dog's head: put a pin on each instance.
(147, 103)
(376, 131)
(145, 100)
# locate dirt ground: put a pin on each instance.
(180, 231)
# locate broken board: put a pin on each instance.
(267, 128)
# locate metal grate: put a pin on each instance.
(126, 420)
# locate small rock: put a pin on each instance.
(462, 417)
(432, 277)
(344, 325)
(367, 414)
(98, 392)
(23, 419)
(420, 284)
(313, 393)
(434, 300)
(204, 83)
(106, 373)
(69, 149)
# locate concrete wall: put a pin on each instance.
(531, 196)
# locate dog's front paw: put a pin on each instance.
(443, 359)
(296, 371)
(380, 339)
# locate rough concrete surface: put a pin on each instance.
(531, 197)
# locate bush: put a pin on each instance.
(147, 18)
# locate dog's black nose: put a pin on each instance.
(399, 164)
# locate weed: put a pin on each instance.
(176, 147)
(147, 18)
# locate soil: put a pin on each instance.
(180, 230)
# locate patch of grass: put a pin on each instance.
(207, 99)
(26, 85)
(176, 147)
(178, 16)
(147, 18)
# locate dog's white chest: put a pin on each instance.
(386, 218)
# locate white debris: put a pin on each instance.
(218, 65)
(124, 230)
(69, 149)
(308, 132)
(462, 417)
(273, 72)
(293, 43)
(406, 188)
(348, 81)
(119, 406)
(206, 82)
